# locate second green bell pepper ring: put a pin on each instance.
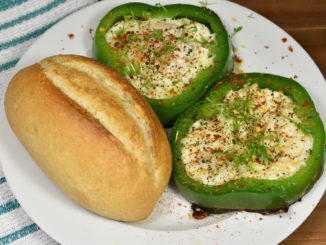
(167, 109)
(250, 193)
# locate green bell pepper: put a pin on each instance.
(245, 193)
(168, 109)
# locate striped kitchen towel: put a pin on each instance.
(21, 23)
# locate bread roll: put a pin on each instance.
(92, 134)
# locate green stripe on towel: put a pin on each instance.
(9, 206)
(3, 179)
(31, 15)
(7, 66)
(19, 234)
(6, 4)
(26, 37)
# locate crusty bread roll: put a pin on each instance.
(92, 134)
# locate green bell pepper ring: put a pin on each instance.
(168, 109)
(246, 193)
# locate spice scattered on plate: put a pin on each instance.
(237, 59)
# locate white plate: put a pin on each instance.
(259, 44)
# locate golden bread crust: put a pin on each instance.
(92, 134)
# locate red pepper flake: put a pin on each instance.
(237, 59)
(306, 103)
(290, 48)
(125, 37)
(172, 91)
(242, 81)
(219, 82)
(162, 105)
(217, 226)
(282, 57)
(179, 204)
(260, 218)
(91, 30)
(187, 60)
(186, 34)
(71, 36)
(284, 39)
(266, 46)
(234, 81)
(216, 88)
(178, 138)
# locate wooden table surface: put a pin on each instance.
(305, 20)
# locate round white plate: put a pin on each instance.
(260, 45)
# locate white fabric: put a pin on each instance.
(16, 227)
